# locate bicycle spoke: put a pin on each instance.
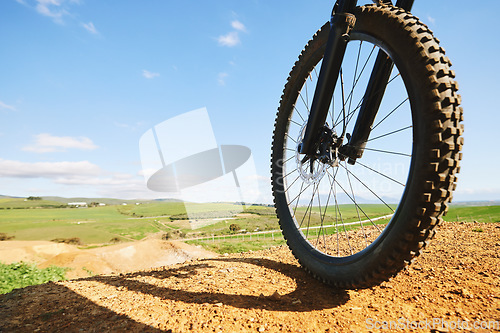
(298, 196)
(303, 120)
(326, 200)
(305, 104)
(354, 198)
(390, 133)
(359, 77)
(308, 206)
(388, 152)
(369, 189)
(296, 123)
(291, 138)
(390, 113)
(289, 186)
(358, 106)
(354, 202)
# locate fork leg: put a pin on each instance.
(342, 23)
(371, 101)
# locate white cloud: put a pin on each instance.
(19, 169)
(221, 78)
(149, 75)
(118, 179)
(52, 9)
(230, 39)
(81, 178)
(238, 26)
(47, 143)
(57, 10)
(90, 28)
(431, 19)
(5, 106)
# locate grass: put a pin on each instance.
(463, 213)
(101, 225)
(240, 243)
(91, 225)
(20, 275)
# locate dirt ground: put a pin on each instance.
(454, 284)
(120, 258)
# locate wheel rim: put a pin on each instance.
(340, 210)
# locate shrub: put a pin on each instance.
(72, 241)
(115, 240)
(234, 227)
(173, 235)
(5, 237)
(20, 275)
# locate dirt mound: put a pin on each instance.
(453, 284)
(31, 251)
(120, 258)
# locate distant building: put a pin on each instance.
(77, 204)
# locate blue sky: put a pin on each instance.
(82, 80)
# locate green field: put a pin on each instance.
(45, 220)
(257, 226)
(38, 220)
(463, 213)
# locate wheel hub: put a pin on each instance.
(313, 168)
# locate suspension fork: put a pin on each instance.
(342, 23)
(371, 100)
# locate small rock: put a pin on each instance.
(275, 296)
(465, 293)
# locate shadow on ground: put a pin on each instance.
(54, 307)
(310, 294)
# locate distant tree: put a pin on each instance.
(234, 227)
(33, 198)
(94, 204)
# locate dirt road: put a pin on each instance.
(456, 281)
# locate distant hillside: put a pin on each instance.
(168, 200)
(476, 203)
(107, 201)
(7, 200)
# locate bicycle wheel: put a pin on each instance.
(357, 225)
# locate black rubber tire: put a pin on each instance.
(437, 142)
